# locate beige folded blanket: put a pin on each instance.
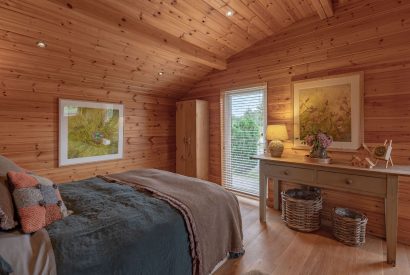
(211, 213)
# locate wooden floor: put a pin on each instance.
(275, 249)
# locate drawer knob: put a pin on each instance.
(286, 173)
(349, 181)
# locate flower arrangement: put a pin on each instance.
(318, 142)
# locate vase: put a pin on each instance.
(322, 153)
(318, 153)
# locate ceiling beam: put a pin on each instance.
(323, 7)
(133, 27)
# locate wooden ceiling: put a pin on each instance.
(157, 47)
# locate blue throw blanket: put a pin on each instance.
(117, 230)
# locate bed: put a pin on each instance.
(139, 222)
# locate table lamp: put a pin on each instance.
(276, 134)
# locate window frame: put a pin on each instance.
(223, 121)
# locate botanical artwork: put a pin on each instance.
(326, 109)
(331, 106)
(90, 131)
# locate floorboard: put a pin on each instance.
(275, 249)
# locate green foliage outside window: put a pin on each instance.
(246, 132)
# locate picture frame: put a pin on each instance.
(332, 104)
(90, 131)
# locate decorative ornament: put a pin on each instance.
(367, 158)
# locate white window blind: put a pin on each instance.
(243, 125)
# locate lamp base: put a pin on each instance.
(276, 148)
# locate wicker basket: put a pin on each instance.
(349, 226)
(301, 209)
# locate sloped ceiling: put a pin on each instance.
(159, 47)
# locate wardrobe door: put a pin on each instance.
(180, 138)
(186, 137)
(202, 140)
(190, 141)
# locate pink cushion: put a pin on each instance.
(38, 203)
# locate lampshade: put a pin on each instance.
(276, 132)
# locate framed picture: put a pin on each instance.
(332, 105)
(90, 131)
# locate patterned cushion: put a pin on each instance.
(7, 165)
(46, 181)
(6, 206)
(38, 203)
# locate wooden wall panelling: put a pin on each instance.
(112, 70)
(184, 20)
(83, 62)
(323, 7)
(280, 13)
(178, 28)
(32, 133)
(165, 16)
(88, 39)
(245, 17)
(114, 51)
(113, 15)
(261, 11)
(370, 36)
(236, 35)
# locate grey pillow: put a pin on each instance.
(8, 165)
(7, 221)
(5, 268)
(6, 203)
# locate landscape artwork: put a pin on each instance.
(90, 131)
(332, 106)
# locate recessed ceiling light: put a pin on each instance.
(160, 73)
(41, 44)
(229, 13)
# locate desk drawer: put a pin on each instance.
(364, 184)
(291, 173)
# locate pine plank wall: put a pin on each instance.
(368, 36)
(82, 61)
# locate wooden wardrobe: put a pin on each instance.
(192, 138)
